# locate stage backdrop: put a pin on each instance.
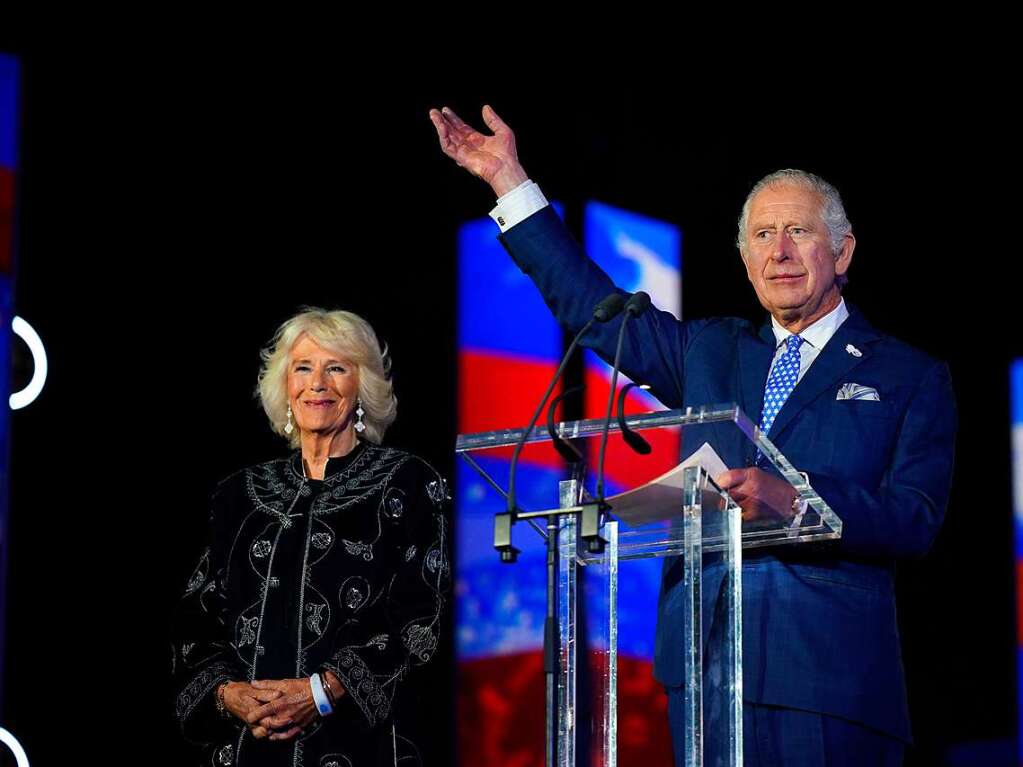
(8, 155)
(509, 347)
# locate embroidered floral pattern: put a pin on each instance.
(420, 641)
(200, 684)
(270, 552)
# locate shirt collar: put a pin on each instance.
(819, 333)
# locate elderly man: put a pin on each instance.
(870, 419)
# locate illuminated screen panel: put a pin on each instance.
(8, 155)
(508, 349)
(638, 253)
(1016, 398)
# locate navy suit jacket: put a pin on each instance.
(819, 622)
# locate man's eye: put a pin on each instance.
(797, 230)
(763, 235)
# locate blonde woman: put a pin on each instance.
(323, 580)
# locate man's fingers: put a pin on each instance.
(443, 129)
(731, 478)
(451, 137)
(453, 119)
(493, 121)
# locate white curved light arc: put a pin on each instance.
(26, 396)
(12, 743)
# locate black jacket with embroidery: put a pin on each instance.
(371, 539)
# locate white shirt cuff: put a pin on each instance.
(518, 205)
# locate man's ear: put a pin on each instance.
(845, 254)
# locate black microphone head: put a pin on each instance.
(610, 307)
(638, 303)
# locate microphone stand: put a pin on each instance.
(606, 310)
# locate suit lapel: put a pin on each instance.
(755, 355)
(830, 367)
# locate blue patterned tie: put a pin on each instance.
(781, 382)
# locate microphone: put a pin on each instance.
(632, 439)
(567, 450)
(607, 309)
(637, 304)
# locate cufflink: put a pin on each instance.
(500, 220)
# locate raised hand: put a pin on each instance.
(493, 158)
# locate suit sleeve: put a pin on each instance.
(572, 285)
(902, 516)
(203, 655)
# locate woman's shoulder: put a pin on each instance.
(409, 468)
(274, 470)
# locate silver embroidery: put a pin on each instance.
(410, 553)
(194, 691)
(394, 507)
(420, 641)
(322, 540)
(437, 490)
(354, 598)
(248, 626)
(354, 592)
(435, 561)
(261, 548)
(357, 548)
(312, 620)
(225, 755)
(199, 576)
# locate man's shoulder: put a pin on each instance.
(894, 351)
(721, 329)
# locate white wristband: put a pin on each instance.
(320, 696)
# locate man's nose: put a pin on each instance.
(782, 249)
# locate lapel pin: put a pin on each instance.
(853, 350)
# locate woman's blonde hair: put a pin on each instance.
(347, 335)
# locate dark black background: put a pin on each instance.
(176, 205)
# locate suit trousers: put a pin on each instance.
(784, 737)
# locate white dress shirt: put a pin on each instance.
(517, 205)
(814, 338)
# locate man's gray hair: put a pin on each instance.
(832, 210)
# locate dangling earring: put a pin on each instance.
(289, 426)
(359, 413)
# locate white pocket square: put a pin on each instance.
(855, 391)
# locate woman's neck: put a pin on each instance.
(317, 448)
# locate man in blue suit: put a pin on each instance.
(868, 418)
